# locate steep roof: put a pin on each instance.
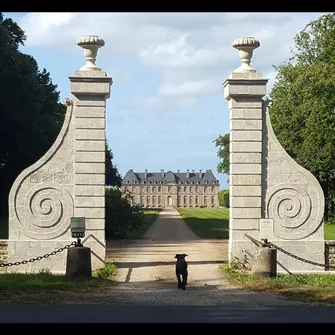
(170, 177)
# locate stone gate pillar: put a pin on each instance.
(68, 181)
(244, 89)
(271, 195)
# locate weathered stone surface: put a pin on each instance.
(69, 180)
(245, 147)
(246, 135)
(246, 114)
(246, 202)
(266, 183)
(245, 157)
(250, 190)
(243, 180)
(78, 262)
(247, 169)
(245, 124)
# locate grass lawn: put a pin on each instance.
(307, 288)
(40, 283)
(207, 222)
(329, 231)
(150, 218)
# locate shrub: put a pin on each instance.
(224, 198)
(122, 216)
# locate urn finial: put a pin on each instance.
(246, 47)
(90, 44)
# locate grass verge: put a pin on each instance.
(304, 288)
(208, 223)
(14, 284)
(329, 231)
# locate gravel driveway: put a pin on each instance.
(146, 270)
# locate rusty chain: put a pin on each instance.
(39, 257)
(266, 243)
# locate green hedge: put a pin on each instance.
(122, 216)
(224, 198)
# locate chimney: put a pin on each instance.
(162, 173)
(187, 173)
(192, 171)
(145, 173)
(200, 174)
(178, 171)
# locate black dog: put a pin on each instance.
(181, 271)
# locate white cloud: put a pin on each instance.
(158, 102)
(192, 51)
(188, 88)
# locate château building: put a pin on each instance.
(170, 189)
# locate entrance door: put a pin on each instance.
(169, 201)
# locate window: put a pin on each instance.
(159, 200)
(148, 200)
(212, 189)
(191, 189)
(159, 189)
(153, 189)
(154, 200)
(213, 200)
(205, 189)
(142, 200)
(205, 200)
(196, 189)
(169, 188)
(197, 201)
(184, 188)
(147, 188)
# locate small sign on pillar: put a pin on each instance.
(266, 228)
(78, 227)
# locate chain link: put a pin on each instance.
(270, 244)
(39, 257)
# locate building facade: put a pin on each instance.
(169, 189)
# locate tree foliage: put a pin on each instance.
(303, 106)
(122, 215)
(222, 143)
(31, 118)
(30, 112)
(113, 177)
(303, 109)
(224, 198)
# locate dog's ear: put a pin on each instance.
(185, 255)
(177, 256)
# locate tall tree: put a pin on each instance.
(30, 112)
(303, 108)
(113, 177)
(222, 143)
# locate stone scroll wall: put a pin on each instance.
(271, 196)
(68, 181)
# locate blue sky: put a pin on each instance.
(167, 105)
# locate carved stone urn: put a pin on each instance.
(246, 47)
(91, 45)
